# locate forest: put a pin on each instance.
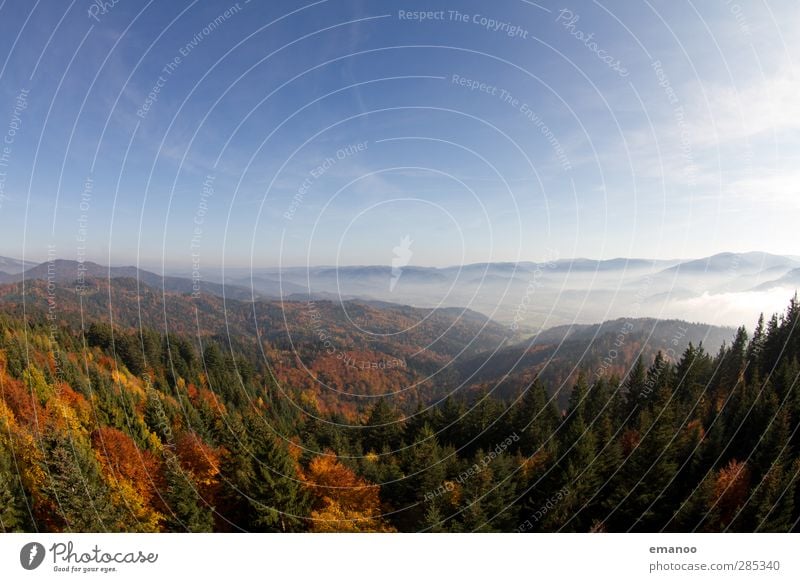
(122, 428)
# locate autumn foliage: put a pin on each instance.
(125, 429)
(342, 501)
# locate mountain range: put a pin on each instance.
(723, 289)
(345, 353)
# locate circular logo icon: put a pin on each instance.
(31, 555)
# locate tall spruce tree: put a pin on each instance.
(186, 511)
(14, 513)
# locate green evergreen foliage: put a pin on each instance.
(74, 487)
(186, 511)
(212, 441)
(14, 512)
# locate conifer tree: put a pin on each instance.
(75, 487)
(277, 498)
(384, 431)
(186, 511)
(535, 419)
(14, 516)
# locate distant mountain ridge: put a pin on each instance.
(69, 271)
(9, 266)
(558, 291)
(790, 279)
(721, 289)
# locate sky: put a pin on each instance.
(180, 134)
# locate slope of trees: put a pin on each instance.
(125, 429)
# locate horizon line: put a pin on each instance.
(147, 265)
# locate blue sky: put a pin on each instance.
(296, 133)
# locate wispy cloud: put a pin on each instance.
(766, 106)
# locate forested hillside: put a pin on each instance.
(338, 353)
(116, 427)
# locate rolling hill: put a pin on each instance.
(346, 353)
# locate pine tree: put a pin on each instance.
(771, 506)
(535, 419)
(635, 386)
(236, 474)
(732, 365)
(75, 487)
(14, 515)
(755, 352)
(425, 471)
(385, 430)
(575, 472)
(277, 498)
(637, 500)
(605, 409)
(451, 430)
(433, 520)
(186, 511)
